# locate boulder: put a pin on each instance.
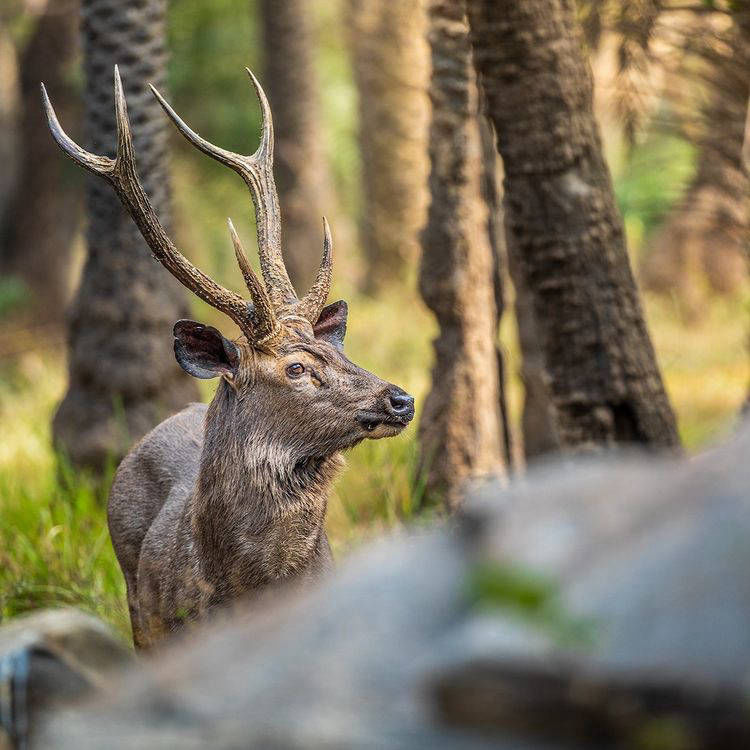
(49, 659)
(599, 603)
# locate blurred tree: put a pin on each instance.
(540, 435)
(537, 423)
(391, 71)
(709, 230)
(491, 182)
(460, 428)
(703, 48)
(123, 376)
(746, 169)
(43, 216)
(9, 97)
(604, 382)
(300, 166)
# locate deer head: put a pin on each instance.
(287, 371)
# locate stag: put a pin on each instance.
(224, 499)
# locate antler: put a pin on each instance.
(121, 173)
(266, 324)
(259, 323)
(257, 172)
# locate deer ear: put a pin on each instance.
(331, 325)
(202, 351)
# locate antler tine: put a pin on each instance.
(99, 165)
(228, 158)
(314, 301)
(122, 175)
(266, 325)
(257, 172)
(264, 151)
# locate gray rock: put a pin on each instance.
(49, 659)
(596, 602)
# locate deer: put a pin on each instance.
(220, 501)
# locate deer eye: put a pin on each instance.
(295, 370)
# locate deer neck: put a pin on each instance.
(258, 510)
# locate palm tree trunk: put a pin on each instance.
(708, 231)
(604, 382)
(391, 71)
(492, 194)
(9, 130)
(44, 214)
(460, 428)
(123, 376)
(300, 166)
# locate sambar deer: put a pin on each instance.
(220, 500)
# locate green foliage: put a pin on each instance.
(651, 181)
(664, 733)
(530, 596)
(55, 548)
(54, 545)
(14, 294)
(210, 45)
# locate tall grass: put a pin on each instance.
(54, 545)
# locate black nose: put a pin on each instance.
(400, 404)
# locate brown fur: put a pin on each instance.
(217, 501)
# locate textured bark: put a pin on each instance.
(43, 216)
(123, 376)
(460, 430)
(537, 423)
(300, 166)
(9, 96)
(492, 195)
(391, 72)
(605, 385)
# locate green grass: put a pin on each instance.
(54, 545)
(55, 549)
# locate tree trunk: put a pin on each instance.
(706, 235)
(300, 166)
(492, 196)
(44, 214)
(123, 376)
(460, 430)
(9, 96)
(604, 382)
(391, 71)
(537, 424)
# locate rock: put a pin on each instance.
(49, 659)
(602, 602)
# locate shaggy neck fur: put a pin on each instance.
(258, 510)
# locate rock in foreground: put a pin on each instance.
(603, 603)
